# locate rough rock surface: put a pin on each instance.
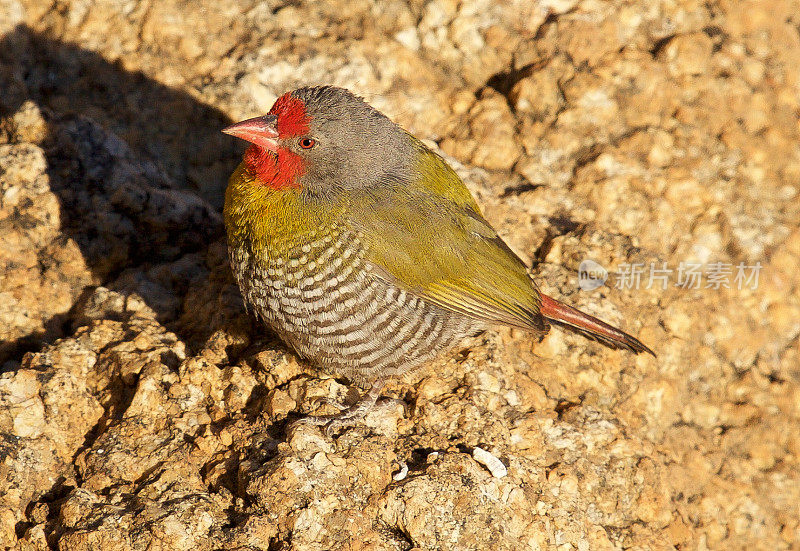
(140, 407)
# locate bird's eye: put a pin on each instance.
(307, 143)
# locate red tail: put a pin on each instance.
(589, 326)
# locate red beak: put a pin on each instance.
(259, 130)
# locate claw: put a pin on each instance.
(332, 402)
(349, 416)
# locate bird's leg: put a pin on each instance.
(350, 415)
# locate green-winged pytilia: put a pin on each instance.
(365, 252)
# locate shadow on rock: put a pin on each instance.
(112, 192)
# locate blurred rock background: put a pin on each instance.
(140, 407)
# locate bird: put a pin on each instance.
(364, 251)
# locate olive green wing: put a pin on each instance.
(430, 238)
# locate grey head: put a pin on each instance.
(326, 139)
(353, 145)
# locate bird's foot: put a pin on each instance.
(351, 397)
(341, 405)
(349, 416)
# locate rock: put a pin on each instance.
(688, 54)
(538, 95)
(491, 135)
(142, 407)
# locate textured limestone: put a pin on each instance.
(140, 406)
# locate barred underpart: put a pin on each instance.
(324, 300)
